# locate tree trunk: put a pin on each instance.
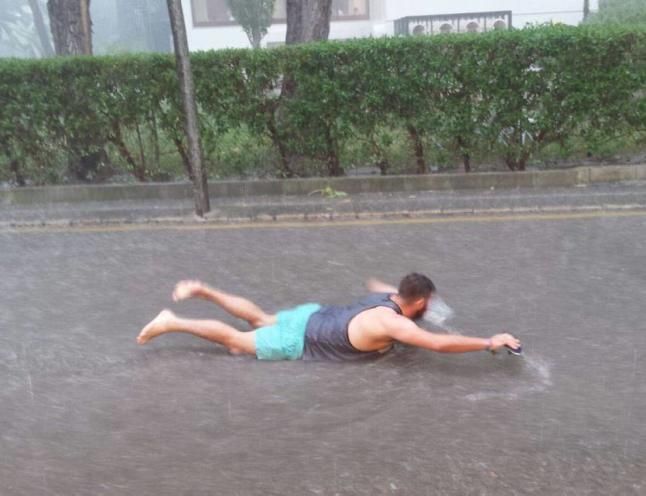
(586, 9)
(86, 26)
(256, 39)
(155, 139)
(517, 163)
(142, 152)
(294, 21)
(308, 20)
(117, 138)
(511, 162)
(466, 160)
(189, 106)
(83, 164)
(383, 166)
(333, 164)
(41, 28)
(382, 162)
(466, 156)
(186, 161)
(14, 167)
(317, 19)
(71, 26)
(418, 146)
(286, 170)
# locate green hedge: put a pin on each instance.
(469, 97)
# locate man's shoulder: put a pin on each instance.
(383, 310)
(391, 321)
(387, 316)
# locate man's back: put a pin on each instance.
(370, 330)
(351, 332)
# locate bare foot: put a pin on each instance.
(159, 325)
(187, 289)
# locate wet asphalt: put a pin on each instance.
(85, 410)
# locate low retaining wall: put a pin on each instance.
(355, 184)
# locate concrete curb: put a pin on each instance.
(265, 219)
(351, 185)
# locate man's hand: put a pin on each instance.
(500, 340)
(377, 286)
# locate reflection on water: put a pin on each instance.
(540, 379)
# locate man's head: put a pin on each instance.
(415, 290)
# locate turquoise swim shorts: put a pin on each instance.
(285, 339)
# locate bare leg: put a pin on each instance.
(213, 330)
(235, 305)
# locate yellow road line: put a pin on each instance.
(449, 219)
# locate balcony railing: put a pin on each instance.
(468, 22)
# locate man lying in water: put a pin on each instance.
(366, 328)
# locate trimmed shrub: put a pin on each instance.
(321, 108)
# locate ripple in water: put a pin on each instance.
(439, 313)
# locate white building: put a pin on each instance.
(210, 26)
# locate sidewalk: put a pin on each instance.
(610, 196)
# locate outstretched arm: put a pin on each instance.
(377, 286)
(407, 332)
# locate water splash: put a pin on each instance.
(438, 312)
(540, 379)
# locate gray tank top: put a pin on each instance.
(326, 334)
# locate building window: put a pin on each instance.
(446, 28)
(419, 30)
(216, 12)
(474, 22)
(500, 25)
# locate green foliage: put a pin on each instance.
(511, 96)
(239, 153)
(329, 192)
(254, 16)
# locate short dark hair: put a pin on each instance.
(414, 286)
